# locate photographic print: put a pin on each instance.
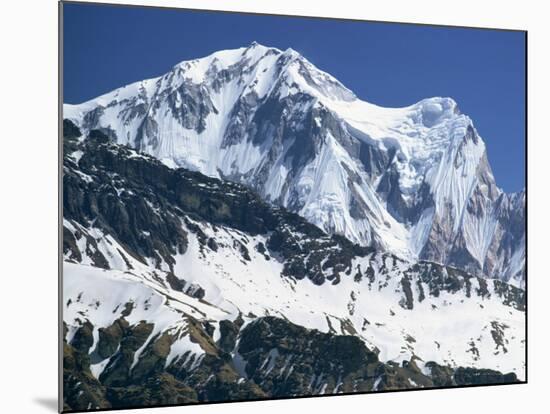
(263, 206)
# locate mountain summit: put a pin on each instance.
(414, 181)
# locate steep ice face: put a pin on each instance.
(424, 139)
(413, 180)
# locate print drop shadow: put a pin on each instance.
(49, 403)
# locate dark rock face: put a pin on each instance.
(150, 381)
(282, 360)
(439, 278)
(469, 376)
(70, 131)
(107, 200)
(289, 360)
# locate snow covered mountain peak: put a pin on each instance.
(414, 180)
(261, 64)
(225, 58)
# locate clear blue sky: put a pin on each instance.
(386, 64)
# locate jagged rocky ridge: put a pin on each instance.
(414, 181)
(180, 288)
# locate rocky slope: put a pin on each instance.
(414, 181)
(180, 288)
(282, 360)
